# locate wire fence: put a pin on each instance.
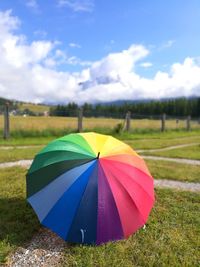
(80, 120)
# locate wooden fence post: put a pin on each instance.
(6, 122)
(128, 121)
(188, 126)
(163, 118)
(80, 120)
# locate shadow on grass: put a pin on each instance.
(19, 227)
(18, 222)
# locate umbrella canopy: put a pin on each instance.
(90, 188)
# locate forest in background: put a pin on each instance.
(171, 107)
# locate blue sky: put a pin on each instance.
(88, 31)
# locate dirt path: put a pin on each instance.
(166, 148)
(164, 183)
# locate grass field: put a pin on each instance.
(174, 171)
(191, 152)
(138, 140)
(70, 123)
(17, 154)
(170, 237)
(162, 142)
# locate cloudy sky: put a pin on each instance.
(94, 50)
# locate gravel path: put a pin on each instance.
(185, 161)
(44, 250)
(164, 183)
(22, 163)
(166, 148)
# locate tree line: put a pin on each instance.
(172, 107)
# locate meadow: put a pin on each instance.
(170, 237)
(66, 124)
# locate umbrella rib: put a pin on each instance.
(74, 142)
(77, 209)
(87, 151)
(119, 155)
(63, 194)
(129, 196)
(135, 183)
(112, 196)
(131, 177)
(67, 150)
(89, 159)
(118, 148)
(35, 172)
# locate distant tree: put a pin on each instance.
(172, 107)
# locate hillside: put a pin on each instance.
(37, 108)
(22, 107)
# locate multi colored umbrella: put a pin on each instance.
(90, 188)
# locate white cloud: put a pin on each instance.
(74, 45)
(32, 4)
(8, 23)
(40, 33)
(167, 44)
(28, 72)
(77, 5)
(119, 63)
(146, 64)
(62, 58)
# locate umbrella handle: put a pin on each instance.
(82, 235)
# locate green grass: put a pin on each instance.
(15, 154)
(169, 134)
(17, 220)
(161, 142)
(25, 141)
(191, 152)
(170, 237)
(142, 140)
(174, 171)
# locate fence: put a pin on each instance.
(120, 122)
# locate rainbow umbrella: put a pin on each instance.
(90, 188)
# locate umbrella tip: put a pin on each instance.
(98, 155)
